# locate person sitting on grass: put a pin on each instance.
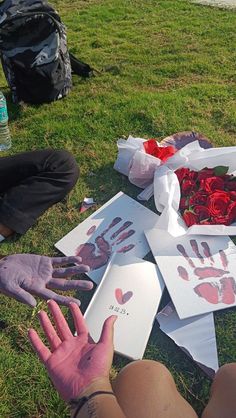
(30, 183)
(79, 369)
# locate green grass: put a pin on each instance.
(167, 66)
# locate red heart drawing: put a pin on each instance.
(123, 298)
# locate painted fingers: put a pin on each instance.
(70, 271)
(46, 294)
(63, 284)
(60, 261)
(19, 294)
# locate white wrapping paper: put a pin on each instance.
(132, 161)
(195, 336)
(167, 189)
(158, 178)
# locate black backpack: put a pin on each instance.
(34, 53)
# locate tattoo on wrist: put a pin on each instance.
(86, 400)
(92, 408)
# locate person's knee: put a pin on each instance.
(226, 373)
(64, 163)
(142, 369)
(227, 368)
(148, 366)
(145, 378)
(222, 399)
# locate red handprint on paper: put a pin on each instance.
(97, 254)
(221, 291)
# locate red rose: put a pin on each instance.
(202, 212)
(187, 187)
(218, 203)
(220, 220)
(205, 173)
(163, 153)
(199, 198)
(193, 175)
(232, 195)
(183, 204)
(230, 185)
(190, 218)
(150, 146)
(232, 212)
(182, 173)
(211, 184)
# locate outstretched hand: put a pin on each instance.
(22, 275)
(74, 362)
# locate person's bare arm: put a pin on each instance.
(98, 405)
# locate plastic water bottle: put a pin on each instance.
(5, 137)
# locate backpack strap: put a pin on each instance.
(80, 68)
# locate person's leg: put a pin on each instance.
(32, 182)
(222, 403)
(146, 389)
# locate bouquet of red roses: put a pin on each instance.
(208, 196)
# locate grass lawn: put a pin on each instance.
(168, 66)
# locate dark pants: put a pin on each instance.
(32, 182)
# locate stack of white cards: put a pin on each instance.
(197, 270)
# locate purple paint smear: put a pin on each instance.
(206, 251)
(224, 259)
(122, 228)
(195, 249)
(91, 230)
(126, 248)
(182, 251)
(183, 274)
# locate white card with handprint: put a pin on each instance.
(199, 271)
(132, 290)
(117, 227)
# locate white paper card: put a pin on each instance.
(117, 227)
(195, 336)
(199, 271)
(131, 290)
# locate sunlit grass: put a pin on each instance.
(166, 66)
